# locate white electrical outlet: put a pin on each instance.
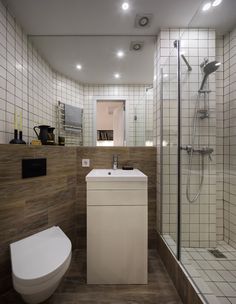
(86, 163)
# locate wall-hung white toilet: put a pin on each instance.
(39, 263)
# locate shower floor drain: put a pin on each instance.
(217, 254)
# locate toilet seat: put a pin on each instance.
(39, 258)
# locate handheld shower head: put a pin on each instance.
(208, 69)
(211, 67)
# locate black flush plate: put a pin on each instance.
(34, 167)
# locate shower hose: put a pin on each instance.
(190, 164)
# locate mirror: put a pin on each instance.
(102, 89)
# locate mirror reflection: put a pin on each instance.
(102, 90)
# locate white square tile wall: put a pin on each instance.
(220, 139)
(28, 85)
(199, 219)
(230, 137)
(157, 127)
(227, 128)
(69, 92)
(13, 74)
(215, 215)
(41, 100)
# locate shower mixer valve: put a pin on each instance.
(203, 113)
(203, 151)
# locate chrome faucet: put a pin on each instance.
(115, 162)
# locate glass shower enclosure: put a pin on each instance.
(196, 143)
(188, 148)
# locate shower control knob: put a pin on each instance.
(187, 148)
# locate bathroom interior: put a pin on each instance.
(117, 151)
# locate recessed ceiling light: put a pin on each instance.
(120, 54)
(79, 66)
(125, 6)
(165, 75)
(216, 2)
(117, 75)
(206, 6)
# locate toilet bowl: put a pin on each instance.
(39, 263)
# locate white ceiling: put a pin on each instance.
(105, 17)
(97, 55)
(86, 17)
(221, 18)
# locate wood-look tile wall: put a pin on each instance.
(34, 204)
(139, 157)
(59, 198)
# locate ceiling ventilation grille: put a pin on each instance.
(136, 46)
(143, 20)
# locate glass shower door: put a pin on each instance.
(169, 139)
(198, 150)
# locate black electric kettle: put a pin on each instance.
(43, 133)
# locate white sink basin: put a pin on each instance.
(115, 175)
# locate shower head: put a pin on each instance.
(208, 69)
(211, 67)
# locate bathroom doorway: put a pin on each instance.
(110, 123)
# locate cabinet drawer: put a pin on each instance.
(116, 185)
(117, 197)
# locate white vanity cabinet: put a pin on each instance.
(117, 227)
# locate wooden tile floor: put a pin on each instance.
(74, 290)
